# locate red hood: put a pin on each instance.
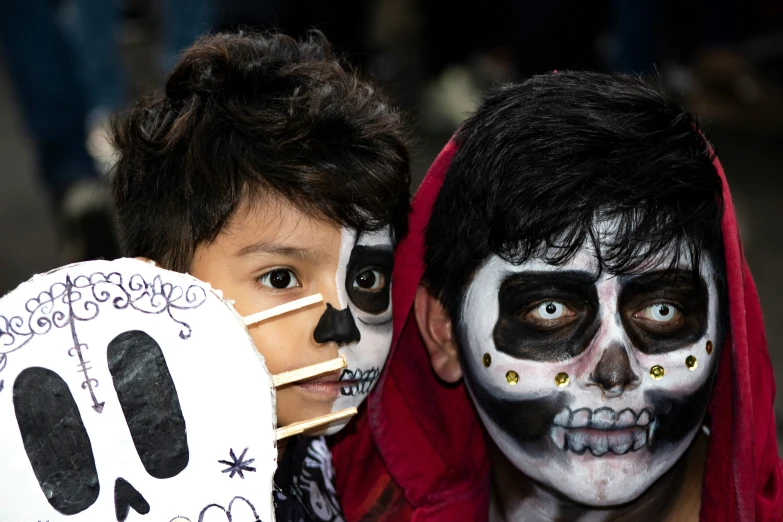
(417, 452)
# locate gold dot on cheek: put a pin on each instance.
(562, 379)
(656, 372)
(487, 360)
(709, 347)
(512, 377)
(691, 362)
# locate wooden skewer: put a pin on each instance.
(298, 427)
(282, 309)
(315, 370)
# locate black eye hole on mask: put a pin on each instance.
(149, 402)
(56, 441)
(368, 278)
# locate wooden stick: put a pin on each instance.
(282, 309)
(298, 427)
(308, 371)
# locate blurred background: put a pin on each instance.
(67, 65)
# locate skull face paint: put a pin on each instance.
(364, 334)
(588, 436)
(275, 255)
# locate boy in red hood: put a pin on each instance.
(595, 335)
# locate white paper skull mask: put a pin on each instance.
(128, 392)
(582, 379)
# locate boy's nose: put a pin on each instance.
(337, 326)
(613, 373)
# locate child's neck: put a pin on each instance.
(675, 496)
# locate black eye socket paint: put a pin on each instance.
(380, 258)
(684, 289)
(516, 336)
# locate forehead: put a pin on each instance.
(376, 238)
(586, 259)
(270, 218)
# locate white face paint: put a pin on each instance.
(115, 402)
(364, 287)
(562, 368)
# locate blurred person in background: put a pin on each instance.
(96, 26)
(43, 69)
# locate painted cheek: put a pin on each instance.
(347, 242)
(367, 357)
(683, 370)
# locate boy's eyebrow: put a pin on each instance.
(305, 255)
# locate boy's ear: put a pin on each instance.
(438, 335)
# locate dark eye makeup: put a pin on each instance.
(644, 299)
(553, 316)
(367, 278)
(525, 332)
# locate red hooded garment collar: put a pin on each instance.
(418, 453)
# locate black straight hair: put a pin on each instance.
(540, 163)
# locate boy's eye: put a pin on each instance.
(661, 312)
(550, 310)
(660, 317)
(279, 279)
(370, 280)
(549, 315)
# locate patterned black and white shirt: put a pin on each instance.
(304, 483)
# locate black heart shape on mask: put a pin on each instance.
(126, 497)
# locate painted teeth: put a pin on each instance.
(580, 419)
(616, 433)
(601, 418)
(576, 441)
(626, 419)
(600, 445)
(561, 419)
(558, 435)
(639, 439)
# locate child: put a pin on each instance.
(273, 171)
(579, 270)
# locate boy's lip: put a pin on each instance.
(327, 389)
(327, 377)
(327, 385)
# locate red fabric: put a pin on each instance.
(418, 452)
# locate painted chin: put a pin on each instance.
(599, 467)
(616, 477)
(610, 480)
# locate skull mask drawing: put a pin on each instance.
(118, 398)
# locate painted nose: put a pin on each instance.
(337, 326)
(613, 373)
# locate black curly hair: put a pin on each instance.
(247, 114)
